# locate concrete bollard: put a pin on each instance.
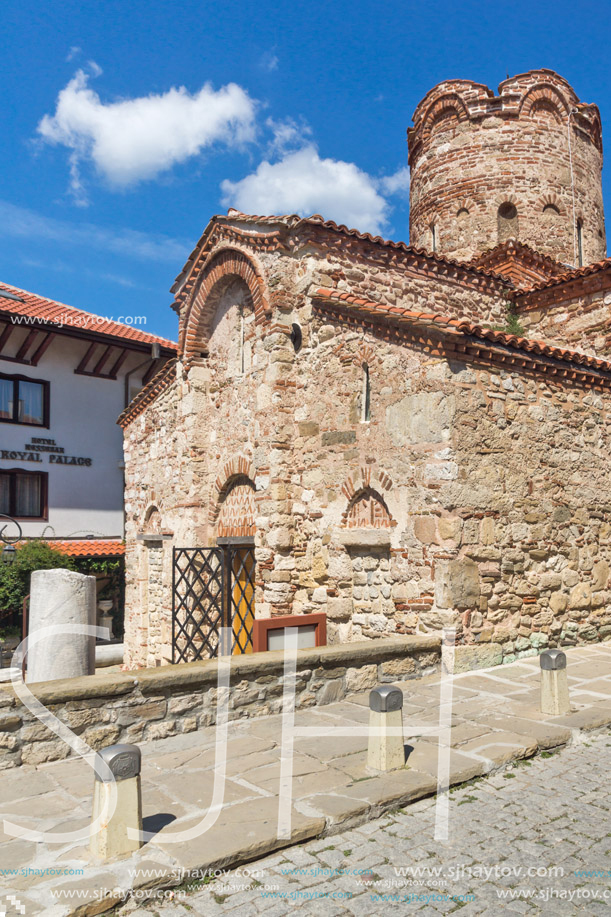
(554, 683)
(66, 598)
(111, 838)
(385, 751)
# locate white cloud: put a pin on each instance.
(131, 140)
(397, 183)
(21, 222)
(301, 182)
(94, 69)
(269, 61)
(288, 135)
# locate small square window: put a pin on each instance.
(24, 401)
(23, 494)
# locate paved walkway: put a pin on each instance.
(494, 721)
(535, 839)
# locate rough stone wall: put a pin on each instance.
(215, 422)
(496, 523)
(476, 493)
(368, 271)
(580, 320)
(472, 152)
(104, 709)
(533, 541)
(157, 472)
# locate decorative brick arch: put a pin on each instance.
(449, 106)
(236, 517)
(237, 468)
(548, 98)
(506, 198)
(549, 201)
(361, 480)
(366, 354)
(152, 519)
(225, 266)
(367, 509)
(465, 204)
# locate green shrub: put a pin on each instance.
(15, 577)
(514, 325)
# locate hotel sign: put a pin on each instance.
(34, 451)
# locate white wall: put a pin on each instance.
(83, 420)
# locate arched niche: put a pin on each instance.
(231, 278)
(367, 509)
(236, 516)
(152, 521)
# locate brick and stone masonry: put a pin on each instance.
(410, 465)
(485, 168)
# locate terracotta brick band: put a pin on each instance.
(223, 267)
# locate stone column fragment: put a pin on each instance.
(111, 839)
(554, 683)
(386, 750)
(64, 598)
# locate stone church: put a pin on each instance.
(365, 437)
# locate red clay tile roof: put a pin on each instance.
(49, 313)
(293, 220)
(573, 274)
(519, 263)
(91, 547)
(463, 327)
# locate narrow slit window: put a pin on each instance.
(579, 243)
(242, 347)
(366, 398)
(433, 237)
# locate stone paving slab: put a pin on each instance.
(495, 721)
(530, 862)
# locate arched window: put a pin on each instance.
(551, 210)
(507, 222)
(462, 213)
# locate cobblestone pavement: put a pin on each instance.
(548, 816)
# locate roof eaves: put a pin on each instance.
(294, 221)
(465, 327)
(567, 277)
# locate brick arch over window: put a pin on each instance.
(551, 202)
(366, 505)
(361, 478)
(152, 519)
(545, 99)
(236, 511)
(238, 468)
(224, 268)
(367, 509)
(446, 111)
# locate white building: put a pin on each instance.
(65, 376)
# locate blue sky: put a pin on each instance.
(127, 124)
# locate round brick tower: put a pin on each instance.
(524, 164)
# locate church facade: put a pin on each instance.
(387, 437)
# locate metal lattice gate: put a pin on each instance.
(212, 588)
